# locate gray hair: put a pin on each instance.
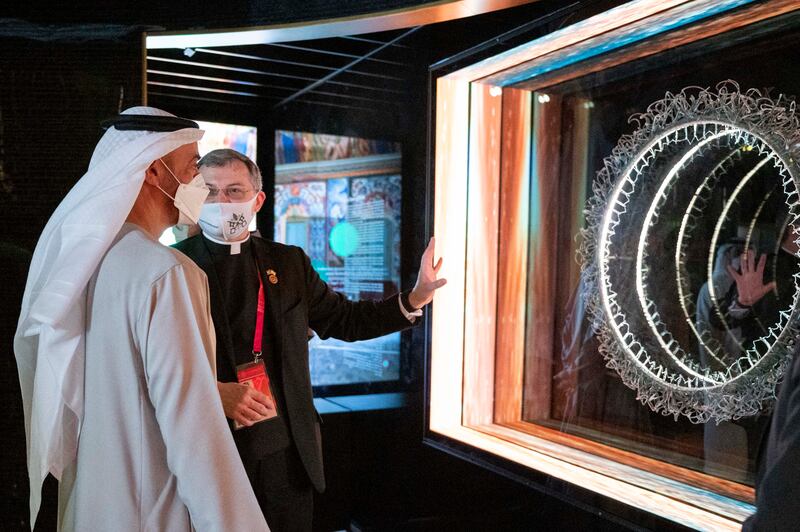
(226, 156)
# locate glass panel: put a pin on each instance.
(702, 199)
(339, 199)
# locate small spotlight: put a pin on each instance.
(588, 105)
(544, 98)
(189, 52)
(495, 91)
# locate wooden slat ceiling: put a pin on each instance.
(336, 72)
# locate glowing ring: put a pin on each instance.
(715, 237)
(648, 222)
(698, 394)
(688, 223)
(649, 153)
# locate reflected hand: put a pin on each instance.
(244, 404)
(750, 282)
(427, 283)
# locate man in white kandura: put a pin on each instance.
(116, 347)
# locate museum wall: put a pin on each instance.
(53, 95)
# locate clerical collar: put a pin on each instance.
(234, 247)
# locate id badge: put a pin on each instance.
(254, 374)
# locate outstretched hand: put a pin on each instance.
(750, 282)
(427, 283)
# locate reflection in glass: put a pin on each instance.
(691, 195)
(700, 258)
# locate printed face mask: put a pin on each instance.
(189, 198)
(227, 221)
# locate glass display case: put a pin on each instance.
(617, 205)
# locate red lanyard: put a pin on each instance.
(258, 337)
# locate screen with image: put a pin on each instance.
(338, 198)
(218, 135)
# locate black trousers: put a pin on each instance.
(283, 490)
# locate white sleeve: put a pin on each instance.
(179, 367)
(410, 316)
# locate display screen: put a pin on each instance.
(218, 135)
(338, 198)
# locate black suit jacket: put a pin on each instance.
(299, 300)
(778, 482)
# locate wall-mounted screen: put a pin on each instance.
(338, 198)
(218, 135)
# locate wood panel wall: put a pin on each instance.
(513, 250)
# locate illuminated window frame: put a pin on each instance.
(481, 178)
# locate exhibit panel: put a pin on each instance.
(618, 205)
(339, 199)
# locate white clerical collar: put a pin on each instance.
(236, 247)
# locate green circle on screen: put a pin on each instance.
(344, 239)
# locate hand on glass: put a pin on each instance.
(750, 282)
(244, 404)
(427, 283)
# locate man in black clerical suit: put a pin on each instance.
(279, 441)
(777, 484)
(778, 480)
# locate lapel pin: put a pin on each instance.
(273, 278)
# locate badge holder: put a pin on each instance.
(254, 374)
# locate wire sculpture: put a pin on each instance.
(619, 252)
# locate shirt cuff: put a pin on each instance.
(410, 316)
(737, 310)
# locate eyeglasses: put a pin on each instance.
(234, 193)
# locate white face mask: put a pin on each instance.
(227, 221)
(189, 198)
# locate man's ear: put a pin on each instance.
(151, 176)
(260, 197)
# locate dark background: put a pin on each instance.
(64, 70)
